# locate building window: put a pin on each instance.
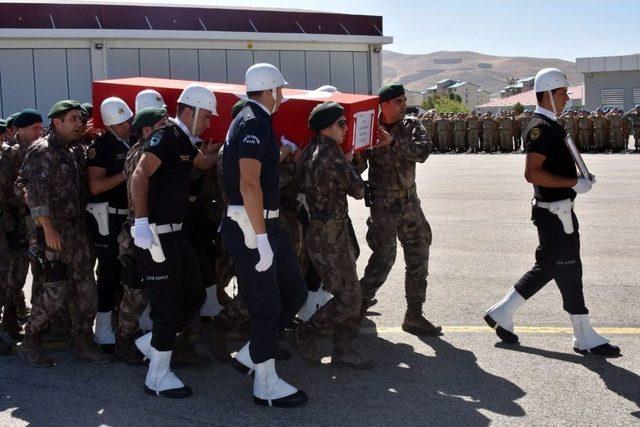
(613, 98)
(636, 96)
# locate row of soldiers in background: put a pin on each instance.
(473, 133)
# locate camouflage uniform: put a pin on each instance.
(504, 123)
(634, 118)
(442, 126)
(288, 217)
(473, 132)
(584, 132)
(615, 131)
(516, 132)
(396, 212)
(599, 124)
(48, 166)
(134, 297)
(459, 133)
(326, 177)
(489, 134)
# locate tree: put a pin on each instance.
(445, 104)
(518, 108)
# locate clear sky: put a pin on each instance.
(564, 29)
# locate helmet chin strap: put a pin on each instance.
(553, 103)
(274, 95)
(195, 121)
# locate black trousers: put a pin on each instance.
(273, 296)
(109, 269)
(557, 258)
(175, 287)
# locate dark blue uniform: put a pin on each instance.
(175, 287)
(276, 295)
(109, 153)
(558, 253)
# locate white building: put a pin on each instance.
(611, 81)
(414, 98)
(50, 51)
(470, 93)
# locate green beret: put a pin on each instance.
(3, 126)
(62, 107)
(88, 108)
(390, 91)
(11, 118)
(27, 118)
(324, 115)
(237, 107)
(148, 116)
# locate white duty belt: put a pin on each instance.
(168, 228)
(562, 209)
(116, 211)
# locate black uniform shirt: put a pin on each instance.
(168, 197)
(545, 136)
(251, 136)
(109, 153)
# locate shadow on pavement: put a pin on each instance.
(622, 382)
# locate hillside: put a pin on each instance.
(489, 72)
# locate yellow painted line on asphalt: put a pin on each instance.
(544, 330)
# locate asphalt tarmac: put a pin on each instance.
(483, 241)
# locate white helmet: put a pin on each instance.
(200, 97)
(263, 77)
(149, 98)
(327, 88)
(115, 111)
(549, 79)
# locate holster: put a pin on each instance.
(368, 195)
(157, 254)
(562, 209)
(50, 271)
(239, 214)
(100, 212)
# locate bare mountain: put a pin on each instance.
(418, 72)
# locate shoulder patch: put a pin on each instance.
(155, 139)
(91, 153)
(535, 134)
(250, 139)
(247, 113)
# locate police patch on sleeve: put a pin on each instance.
(535, 134)
(251, 139)
(155, 140)
(91, 153)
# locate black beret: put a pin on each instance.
(3, 126)
(27, 118)
(324, 115)
(148, 116)
(237, 107)
(62, 107)
(88, 108)
(390, 91)
(11, 118)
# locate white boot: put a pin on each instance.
(242, 361)
(211, 307)
(144, 345)
(144, 321)
(315, 300)
(271, 390)
(584, 336)
(160, 381)
(500, 316)
(104, 331)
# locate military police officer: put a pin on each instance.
(166, 259)
(551, 169)
(263, 258)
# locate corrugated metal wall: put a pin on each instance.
(36, 78)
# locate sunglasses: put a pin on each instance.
(342, 124)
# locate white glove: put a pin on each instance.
(582, 186)
(142, 238)
(266, 254)
(289, 144)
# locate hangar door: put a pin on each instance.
(37, 78)
(348, 71)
